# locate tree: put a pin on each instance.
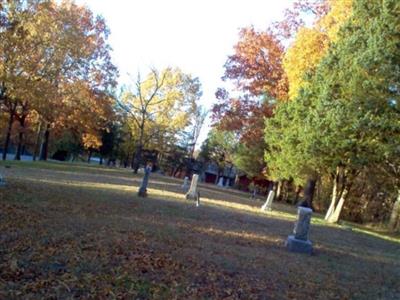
(368, 48)
(250, 159)
(256, 70)
(341, 122)
(311, 44)
(200, 115)
(47, 47)
(256, 65)
(13, 61)
(219, 148)
(157, 108)
(111, 140)
(296, 16)
(81, 61)
(186, 134)
(289, 141)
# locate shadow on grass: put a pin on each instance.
(248, 216)
(79, 167)
(216, 233)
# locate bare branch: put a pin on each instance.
(128, 110)
(159, 84)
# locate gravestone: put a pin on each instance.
(268, 204)
(221, 182)
(228, 183)
(298, 241)
(2, 181)
(185, 185)
(143, 187)
(193, 194)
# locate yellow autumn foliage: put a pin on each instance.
(311, 44)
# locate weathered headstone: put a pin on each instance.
(221, 182)
(228, 183)
(299, 242)
(268, 204)
(198, 199)
(185, 185)
(193, 194)
(143, 187)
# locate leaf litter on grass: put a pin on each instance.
(81, 241)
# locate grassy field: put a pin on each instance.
(79, 231)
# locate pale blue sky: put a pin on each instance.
(196, 36)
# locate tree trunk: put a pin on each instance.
(394, 223)
(132, 161)
(8, 134)
(309, 191)
(279, 191)
(37, 143)
(334, 217)
(274, 188)
(45, 145)
(177, 170)
(334, 194)
(137, 159)
(188, 167)
(285, 196)
(19, 146)
(89, 156)
(126, 161)
(138, 153)
(160, 158)
(237, 179)
(20, 137)
(298, 191)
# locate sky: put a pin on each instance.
(196, 36)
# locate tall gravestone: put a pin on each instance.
(298, 241)
(193, 193)
(228, 182)
(185, 185)
(268, 204)
(143, 187)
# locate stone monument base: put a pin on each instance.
(296, 245)
(192, 196)
(195, 197)
(142, 192)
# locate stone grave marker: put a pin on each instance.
(268, 204)
(193, 193)
(198, 199)
(298, 241)
(143, 187)
(228, 183)
(185, 185)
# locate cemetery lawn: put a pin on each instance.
(79, 231)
